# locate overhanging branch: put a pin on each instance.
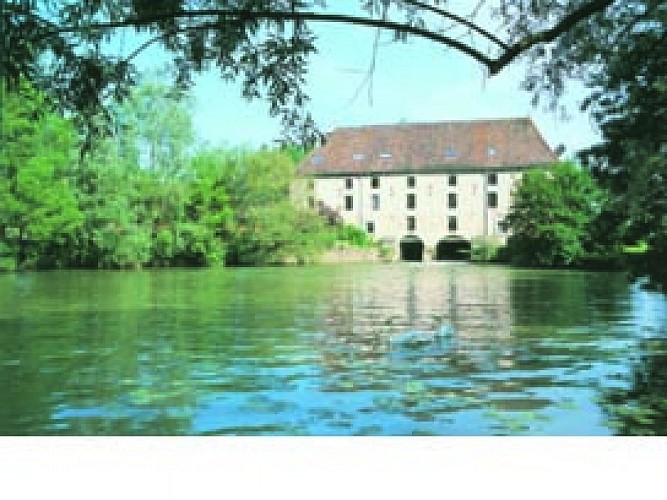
(461, 20)
(494, 65)
(548, 35)
(249, 15)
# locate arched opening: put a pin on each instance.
(412, 249)
(453, 249)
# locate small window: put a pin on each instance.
(492, 200)
(370, 227)
(311, 202)
(450, 153)
(411, 181)
(452, 223)
(411, 201)
(348, 183)
(503, 226)
(376, 202)
(412, 225)
(385, 155)
(451, 200)
(317, 160)
(358, 156)
(492, 179)
(349, 204)
(375, 182)
(492, 151)
(452, 180)
(311, 184)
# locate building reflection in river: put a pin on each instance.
(472, 310)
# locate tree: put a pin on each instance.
(551, 216)
(266, 227)
(621, 56)
(629, 101)
(265, 43)
(117, 230)
(37, 203)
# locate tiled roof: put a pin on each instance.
(424, 147)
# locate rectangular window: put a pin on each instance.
(376, 202)
(411, 201)
(348, 203)
(503, 226)
(411, 181)
(370, 227)
(452, 180)
(492, 200)
(348, 183)
(452, 223)
(311, 202)
(375, 182)
(411, 223)
(492, 179)
(451, 200)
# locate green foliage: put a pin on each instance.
(265, 227)
(620, 55)
(140, 198)
(552, 215)
(37, 200)
(485, 249)
(350, 235)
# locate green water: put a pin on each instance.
(318, 351)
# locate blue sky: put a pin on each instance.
(416, 81)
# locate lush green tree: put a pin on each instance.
(629, 101)
(266, 227)
(135, 186)
(266, 44)
(552, 215)
(116, 232)
(38, 207)
(142, 199)
(620, 56)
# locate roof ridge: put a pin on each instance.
(435, 122)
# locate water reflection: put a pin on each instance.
(402, 349)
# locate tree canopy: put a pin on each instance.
(66, 47)
(142, 198)
(552, 216)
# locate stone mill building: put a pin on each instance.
(428, 189)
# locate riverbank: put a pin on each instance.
(350, 255)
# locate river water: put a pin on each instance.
(401, 349)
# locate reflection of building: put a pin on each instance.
(382, 302)
(426, 188)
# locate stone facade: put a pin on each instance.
(429, 185)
